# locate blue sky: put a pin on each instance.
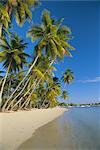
(84, 20)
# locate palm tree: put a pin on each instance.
(68, 76)
(52, 94)
(65, 95)
(1, 77)
(50, 41)
(51, 36)
(12, 56)
(20, 9)
(52, 91)
(41, 73)
(4, 19)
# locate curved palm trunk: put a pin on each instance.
(3, 108)
(27, 103)
(19, 101)
(22, 80)
(32, 88)
(27, 100)
(9, 88)
(1, 81)
(29, 90)
(0, 30)
(3, 84)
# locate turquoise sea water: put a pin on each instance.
(76, 129)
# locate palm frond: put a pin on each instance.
(46, 19)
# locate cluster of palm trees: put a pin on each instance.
(25, 84)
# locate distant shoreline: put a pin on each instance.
(79, 106)
(17, 127)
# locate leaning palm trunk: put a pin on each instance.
(1, 81)
(9, 85)
(3, 108)
(32, 88)
(22, 80)
(0, 30)
(26, 101)
(19, 101)
(29, 90)
(3, 84)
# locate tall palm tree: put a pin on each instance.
(52, 39)
(65, 95)
(12, 56)
(68, 76)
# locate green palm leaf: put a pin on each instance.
(38, 73)
(46, 19)
(17, 59)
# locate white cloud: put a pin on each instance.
(96, 79)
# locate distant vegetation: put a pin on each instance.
(28, 81)
(72, 104)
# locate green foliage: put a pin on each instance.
(52, 39)
(40, 88)
(13, 53)
(21, 10)
(68, 76)
(65, 95)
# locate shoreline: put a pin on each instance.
(17, 127)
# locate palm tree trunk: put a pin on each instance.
(23, 96)
(27, 103)
(0, 30)
(36, 85)
(22, 89)
(3, 84)
(1, 81)
(9, 85)
(29, 90)
(23, 79)
(20, 104)
(44, 73)
(30, 105)
(3, 109)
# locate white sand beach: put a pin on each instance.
(17, 127)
